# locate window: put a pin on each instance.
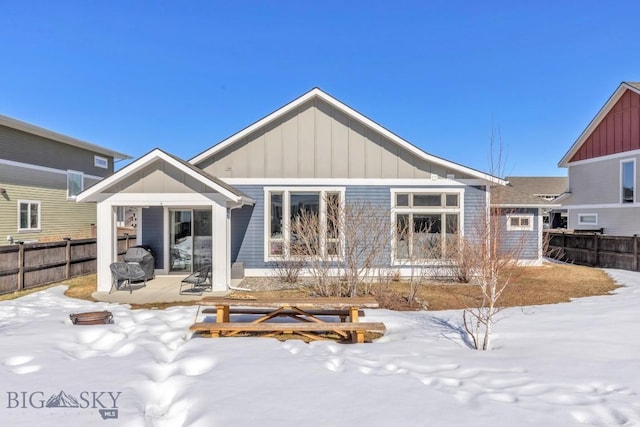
(100, 162)
(427, 224)
(519, 222)
(628, 180)
(75, 183)
(314, 211)
(28, 215)
(588, 219)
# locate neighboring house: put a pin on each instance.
(523, 217)
(233, 204)
(547, 188)
(41, 172)
(603, 171)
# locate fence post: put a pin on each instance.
(634, 264)
(595, 249)
(20, 266)
(126, 245)
(67, 268)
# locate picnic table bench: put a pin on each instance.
(307, 312)
(342, 314)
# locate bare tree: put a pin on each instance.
(288, 270)
(342, 248)
(423, 253)
(366, 235)
(490, 257)
(306, 246)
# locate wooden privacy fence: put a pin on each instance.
(30, 265)
(593, 249)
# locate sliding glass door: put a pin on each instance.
(190, 239)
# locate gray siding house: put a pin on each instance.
(235, 203)
(41, 173)
(602, 166)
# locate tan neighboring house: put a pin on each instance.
(603, 170)
(41, 172)
(548, 188)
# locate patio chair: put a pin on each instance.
(124, 273)
(197, 282)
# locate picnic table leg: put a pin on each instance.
(356, 336)
(222, 313)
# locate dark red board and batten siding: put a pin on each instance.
(618, 132)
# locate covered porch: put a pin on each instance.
(183, 216)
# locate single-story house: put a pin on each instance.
(236, 203)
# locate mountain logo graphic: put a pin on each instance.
(62, 400)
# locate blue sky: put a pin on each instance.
(182, 76)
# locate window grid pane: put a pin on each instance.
(628, 189)
(24, 215)
(276, 244)
(424, 200)
(34, 215)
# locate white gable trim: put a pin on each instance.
(93, 193)
(615, 97)
(317, 93)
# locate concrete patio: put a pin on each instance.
(160, 289)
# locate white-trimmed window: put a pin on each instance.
(519, 222)
(29, 215)
(426, 223)
(627, 181)
(286, 205)
(588, 219)
(75, 183)
(101, 162)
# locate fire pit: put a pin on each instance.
(91, 318)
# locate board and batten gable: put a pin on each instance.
(159, 177)
(317, 140)
(617, 132)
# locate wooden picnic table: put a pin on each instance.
(308, 313)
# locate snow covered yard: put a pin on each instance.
(554, 365)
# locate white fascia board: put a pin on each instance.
(622, 155)
(45, 133)
(91, 193)
(615, 97)
(353, 113)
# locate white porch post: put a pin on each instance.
(107, 244)
(221, 255)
